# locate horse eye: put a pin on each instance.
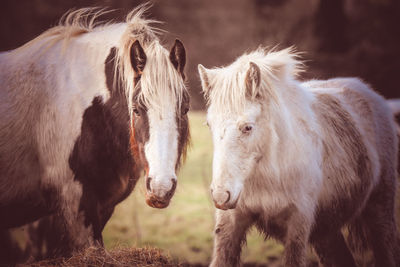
(185, 111)
(136, 111)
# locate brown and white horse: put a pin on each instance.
(84, 108)
(300, 161)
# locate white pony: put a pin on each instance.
(300, 161)
(84, 107)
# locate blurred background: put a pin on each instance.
(339, 38)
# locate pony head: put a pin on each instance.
(243, 116)
(159, 117)
(158, 102)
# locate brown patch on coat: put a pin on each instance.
(140, 131)
(115, 87)
(133, 143)
(139, 137)
(340, 133)
(182, 122)
(350, 172)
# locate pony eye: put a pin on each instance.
(185, 111)
(136, 111)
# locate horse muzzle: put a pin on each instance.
(223, 199)
(159, 197)
(155, 202)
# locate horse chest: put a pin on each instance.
(101, 158)
(265, 203)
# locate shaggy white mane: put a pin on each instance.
(160, 83)
(226, 86)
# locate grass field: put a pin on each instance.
(184, 229)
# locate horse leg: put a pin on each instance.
(380, 222)
(47, 238)
(37, 234)
(10, 252)
(230, 232)
(82, 223)
(298, 230)
(332, 249)
(74, 232)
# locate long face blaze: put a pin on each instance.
(161, 152)
(159, 141)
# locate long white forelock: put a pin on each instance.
(160, 83)
(228, 93)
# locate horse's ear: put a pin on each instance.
(253, 80)
(204, 78)
(138, 58)
(177, 56)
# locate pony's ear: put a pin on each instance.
(252, 80)
(177, 56)
(138, 58)
(204, 78)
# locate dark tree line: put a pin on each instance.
(340, 37)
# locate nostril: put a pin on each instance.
(148, 182)
(173, 184)
(172, 190)
(229, 197)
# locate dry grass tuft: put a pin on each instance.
(143, 257)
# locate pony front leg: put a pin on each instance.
(230, 232)
(298, 230)
(75, 231)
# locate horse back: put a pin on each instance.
(359, 144)
(370, 115)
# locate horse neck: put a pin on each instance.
(295, 100)
(83, 59)
(287, 115)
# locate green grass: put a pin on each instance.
(184, 229)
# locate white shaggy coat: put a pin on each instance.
(288, 154)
